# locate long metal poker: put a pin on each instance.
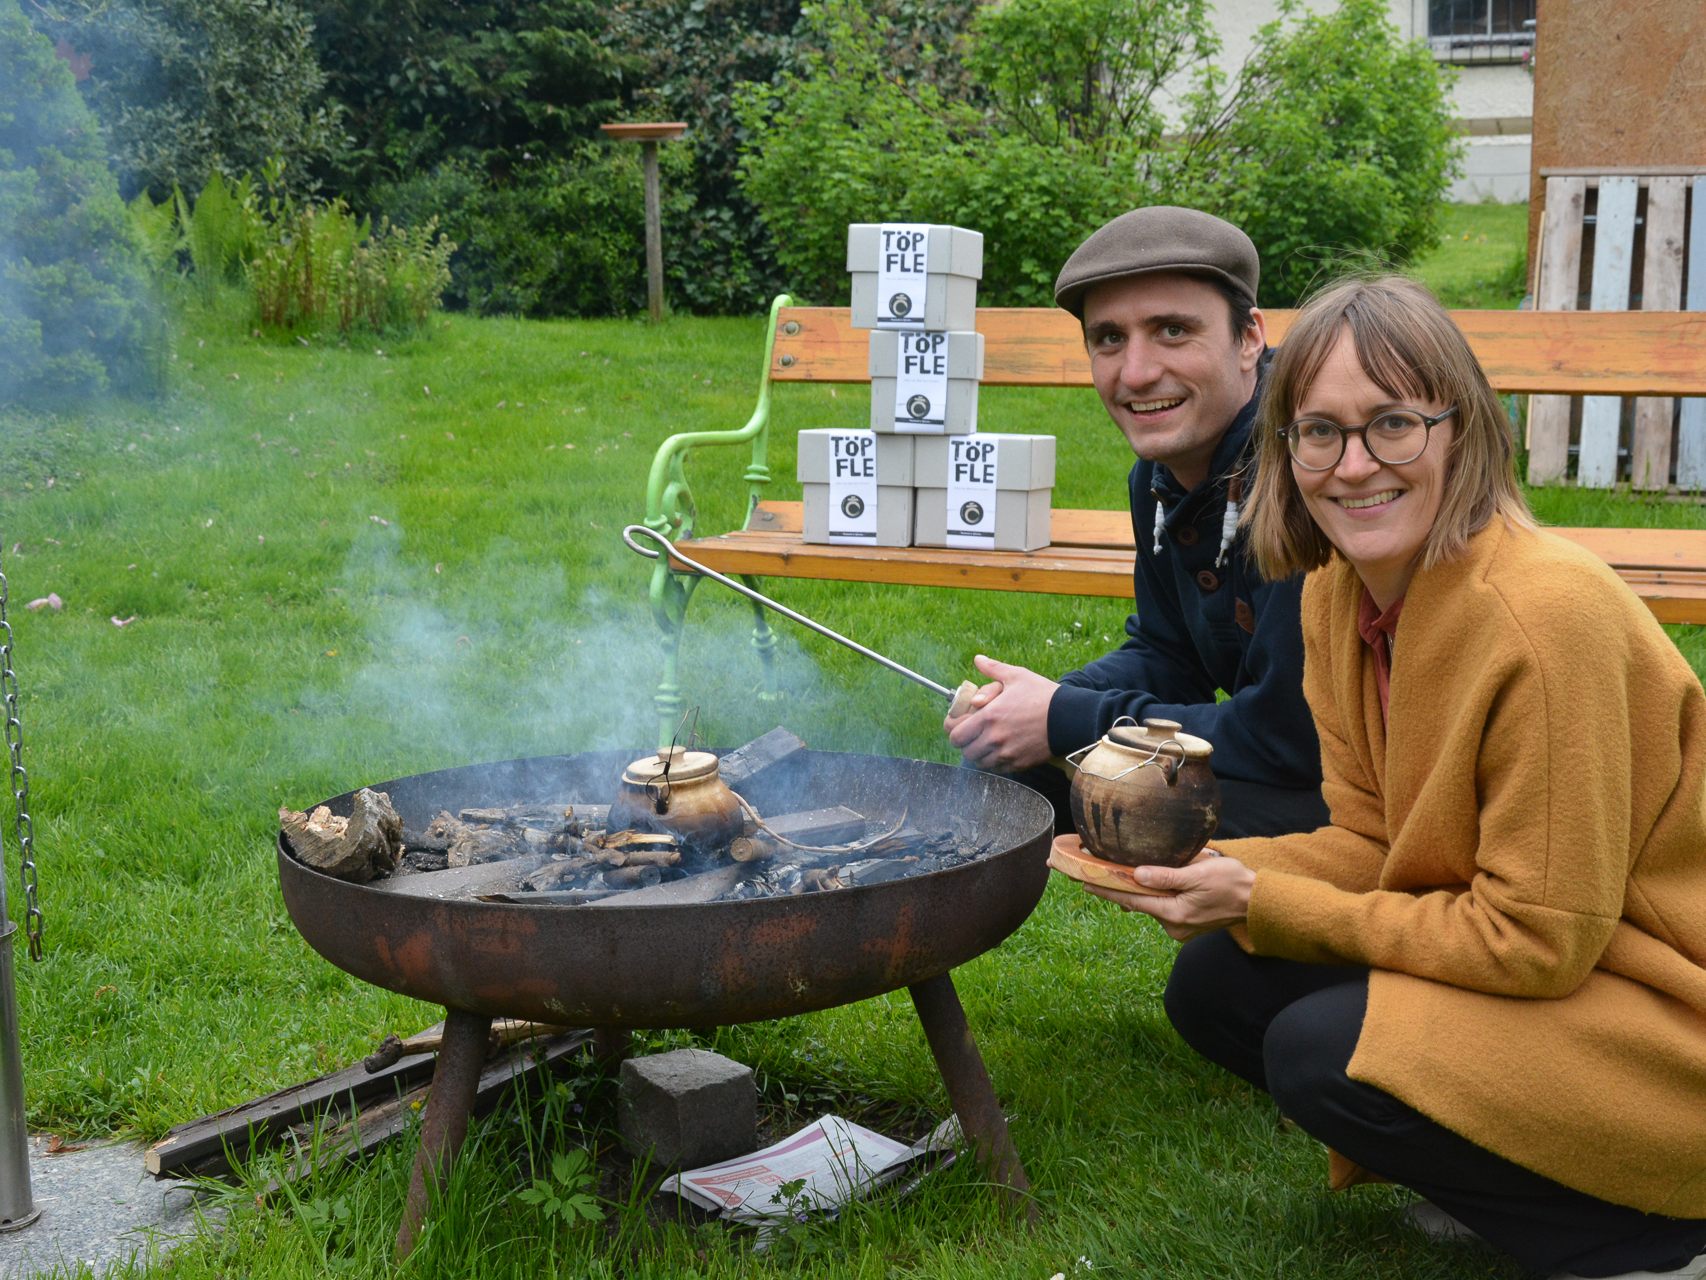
(955, 696)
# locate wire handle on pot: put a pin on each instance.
(1173, 765)
(651, 553)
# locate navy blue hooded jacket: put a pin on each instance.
(1198, 629)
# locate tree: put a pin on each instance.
(184, 88)
(75, 315)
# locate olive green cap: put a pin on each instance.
(1162, 237)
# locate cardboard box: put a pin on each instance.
(941, 372)
(954, 266)
(895, 458)
(892, 462)
(1016, 472)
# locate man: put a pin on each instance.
(1177, 347)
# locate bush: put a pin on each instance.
(693, 57)
(323, 271)
(1087, 72)
(76, 317)
(1335, 143)
(304, 266)
(478, 82)
(845, 139)
(562, 236)
(1334, 139)
(188, 88)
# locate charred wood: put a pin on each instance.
(745, 766)
(366, 844)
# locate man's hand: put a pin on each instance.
(1205, 894)
(1007, 728)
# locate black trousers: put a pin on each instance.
(1291, 1028)
(1246, 808)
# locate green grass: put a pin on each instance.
(350, 564)
(1481, 261)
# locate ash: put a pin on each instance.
(905, 853)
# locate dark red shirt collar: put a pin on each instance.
(1378, 629)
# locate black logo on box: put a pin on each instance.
(852, 506)
(918, 408)
(900, 305)
(971, 514)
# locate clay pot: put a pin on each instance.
(1145, 796)
(680, 792)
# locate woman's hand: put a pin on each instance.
(1208, 893)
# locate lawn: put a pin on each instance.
(336, 565)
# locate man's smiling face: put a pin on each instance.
(1168, 367)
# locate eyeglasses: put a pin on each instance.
(1395, 437)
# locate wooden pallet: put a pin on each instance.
(1666, 438)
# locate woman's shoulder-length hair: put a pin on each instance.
(1409, 346)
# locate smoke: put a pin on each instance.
(502, 656)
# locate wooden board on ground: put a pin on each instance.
(345, 1101)
(207, 1145)
(378, 1123)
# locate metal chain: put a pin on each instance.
(20, 778)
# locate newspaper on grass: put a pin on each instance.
(833, 1160)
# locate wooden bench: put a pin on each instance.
(1092, 552)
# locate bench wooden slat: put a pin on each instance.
(1665, 567)
(1620, 353)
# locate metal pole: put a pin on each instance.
(640, 531)
(654, 231)
(17, 1205)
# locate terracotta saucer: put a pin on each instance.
(1067, 856)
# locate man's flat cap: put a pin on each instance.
(1162, 237)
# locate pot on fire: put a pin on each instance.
(679, 792)
(1145, 795)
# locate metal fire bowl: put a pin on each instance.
(698, 965)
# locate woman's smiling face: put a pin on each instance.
(1376, 514)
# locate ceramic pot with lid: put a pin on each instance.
(680, 792)
(1145, 795)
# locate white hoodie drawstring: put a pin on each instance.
(1229, 521)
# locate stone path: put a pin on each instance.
(98, 1206)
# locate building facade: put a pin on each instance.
(1490, 44)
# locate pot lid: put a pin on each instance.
(1155, 732)
(687, 766)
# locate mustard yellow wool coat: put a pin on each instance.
(1520, 856)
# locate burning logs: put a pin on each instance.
(360, 847)
(564, 853)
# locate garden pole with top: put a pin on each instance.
(648, 136)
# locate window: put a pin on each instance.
(1481, 30)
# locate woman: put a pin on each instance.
(1484, 980)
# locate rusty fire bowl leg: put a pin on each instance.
(970, 1090)
(611, 1047)
(455, 1079)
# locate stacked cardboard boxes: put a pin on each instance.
(920, 473)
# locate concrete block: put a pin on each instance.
(687, 1107)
